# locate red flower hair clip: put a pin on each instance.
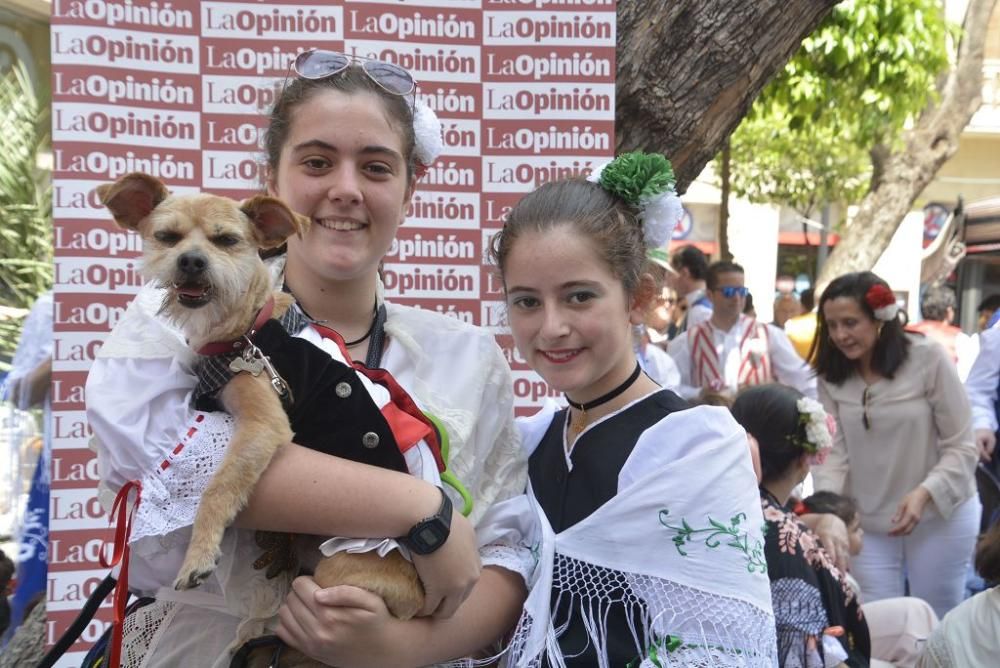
(882, 302)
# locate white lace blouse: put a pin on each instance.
(139, 407)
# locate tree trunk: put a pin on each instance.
(688, 70)
(723, 233)
(906, 172)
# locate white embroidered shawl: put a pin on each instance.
(683, 537)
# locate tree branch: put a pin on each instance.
(689, 70)
(927, 147)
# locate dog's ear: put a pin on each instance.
(273, 221)
(132, 197)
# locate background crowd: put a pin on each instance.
(871, 463)
(911, 466)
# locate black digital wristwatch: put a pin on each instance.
(429, 534)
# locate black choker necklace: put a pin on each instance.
(371, 328)
(603, 399)
(347, 344)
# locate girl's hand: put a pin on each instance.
(833, 534)
(450, 572)
(340, 626)
(909, 512)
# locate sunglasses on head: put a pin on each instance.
(320, 64)
(734, 290)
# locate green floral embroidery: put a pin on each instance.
(536, 552)
(669, 644)
(714, 535)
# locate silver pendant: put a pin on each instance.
(249, 364)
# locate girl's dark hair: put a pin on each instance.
(770, 414)
(709, 397)
(7, 570)
(891, 346)
(352, 80)
(592, 212)
(988, 555)
(842, 506)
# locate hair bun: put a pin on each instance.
(646, 181)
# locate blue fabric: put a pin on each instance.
(32, 569)
(703, 301)
(994, 319)
(96, 656)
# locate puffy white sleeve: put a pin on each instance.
(459, 374)
(494, 464)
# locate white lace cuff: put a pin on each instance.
(514, 558)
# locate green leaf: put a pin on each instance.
(867, 70)
(25, 204)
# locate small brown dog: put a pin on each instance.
(204, 250)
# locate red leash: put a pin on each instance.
(121, 518)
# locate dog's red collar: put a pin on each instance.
(236, 345)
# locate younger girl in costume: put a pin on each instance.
(898, 626)
(651, 546)
(817, 612)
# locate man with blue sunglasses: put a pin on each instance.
(730, 350)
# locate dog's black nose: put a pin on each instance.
(192, 263)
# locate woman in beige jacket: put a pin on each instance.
(904, 446)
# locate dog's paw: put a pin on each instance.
(194, 571)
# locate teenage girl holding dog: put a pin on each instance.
(343, 150)
(653, 551)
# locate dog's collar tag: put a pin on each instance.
(248, 361)
(254, 361)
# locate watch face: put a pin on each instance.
(428, 537)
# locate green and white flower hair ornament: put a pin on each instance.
(646, 181)
(427, 132)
